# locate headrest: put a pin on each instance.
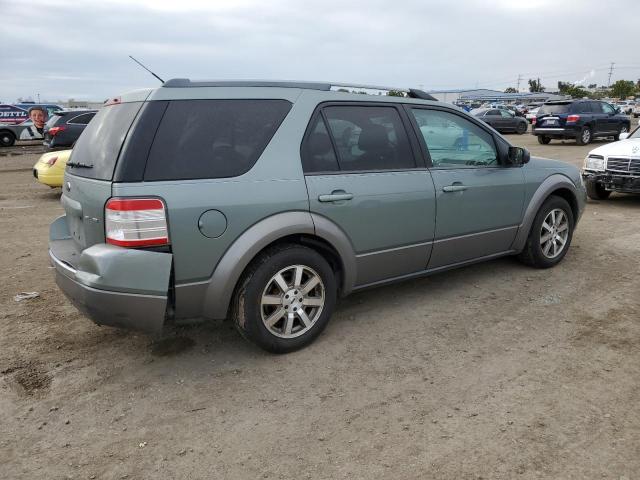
(373, 137)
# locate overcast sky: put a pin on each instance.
(78, 49)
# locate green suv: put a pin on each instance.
(267, 201)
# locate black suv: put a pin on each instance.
(64, 127)
(582, 120)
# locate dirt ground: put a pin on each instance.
(492, 371)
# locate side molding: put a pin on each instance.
(554, 182)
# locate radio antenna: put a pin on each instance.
(161, 80)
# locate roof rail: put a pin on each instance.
(324, 86)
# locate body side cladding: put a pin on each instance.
(551, 184)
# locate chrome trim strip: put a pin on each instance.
(484, 232)
(394, 249)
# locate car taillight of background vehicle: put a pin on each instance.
(56, 130)
(136, 222)
(573, 118)
(533, 121)
(51, 161)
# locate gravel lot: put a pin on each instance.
(491, 371)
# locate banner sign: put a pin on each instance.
(13, 115)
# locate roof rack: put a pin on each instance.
(324, 86)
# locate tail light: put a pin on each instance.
(136, 222)
(53, 131)
(573, 118)
(51, 161)
(533, 120)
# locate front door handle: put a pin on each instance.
(454, 188)
(335, 196)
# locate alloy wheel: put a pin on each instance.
(554, 233)
(292, 301)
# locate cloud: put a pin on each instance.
(62, 46)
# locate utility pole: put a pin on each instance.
(38, 97)
(519, 80)
(610, 73)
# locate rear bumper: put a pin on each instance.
(559, 132)
(101, 281)
(613, 182)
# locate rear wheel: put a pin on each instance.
(550, 234)
(596, 191)
(522, 128)
(584, 137)
(285, 299)
(7, 138)
(543, 139)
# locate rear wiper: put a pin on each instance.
(80, 165)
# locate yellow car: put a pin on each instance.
(49, 169)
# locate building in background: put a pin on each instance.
(485, 95)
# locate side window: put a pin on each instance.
(369, 138)
(506, 114)
(608, 109)
(82, 119)
(455, 142)
(212, 138)
(493, 113)
(595, 107)
(317, 151)
(584, 107)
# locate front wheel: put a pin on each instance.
(550, 235)
(596, 191)
(7, 138)
(543, 139)
(285, 299)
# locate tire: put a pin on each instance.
(544, 140)
(623, 129)
(287, 331)
(596, 191)
(584, 137)
(522, 128)
(536, 246)
(7, 138)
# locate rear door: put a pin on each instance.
(479, 202)
(362, 173)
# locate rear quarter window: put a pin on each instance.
(212, 138)
(554, 108)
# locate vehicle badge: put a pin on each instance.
(635, 149)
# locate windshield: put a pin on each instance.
(554, 108)
(97, 149)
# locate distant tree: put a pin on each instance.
(623, 89)
(510, 90)
(535, 85)
(593, 85)
(575, 91)
(395, 93)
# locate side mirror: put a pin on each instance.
(518, 156)
(624, 136)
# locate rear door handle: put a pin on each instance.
(454, 188)
(335, 196)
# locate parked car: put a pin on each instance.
(614, 167)
(583, 120)
(64, 127)
(49, 169)
(636, 110)
(626, 106)
(24, 121)
(266, 201)
(502, 120)
(531, 114)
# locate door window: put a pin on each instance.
(608, 109)
(493, 113)
(453, 141)
(369, 138)
(506, 114)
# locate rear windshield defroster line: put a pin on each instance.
(100, 143)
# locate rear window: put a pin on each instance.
(212, 138)
(98, 147)
(554, 108)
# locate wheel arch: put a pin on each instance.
(301, 228)
(556, 184)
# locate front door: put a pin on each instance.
(479, 202)
(362, 174)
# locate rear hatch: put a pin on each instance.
(89, 172)
(553, 115)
